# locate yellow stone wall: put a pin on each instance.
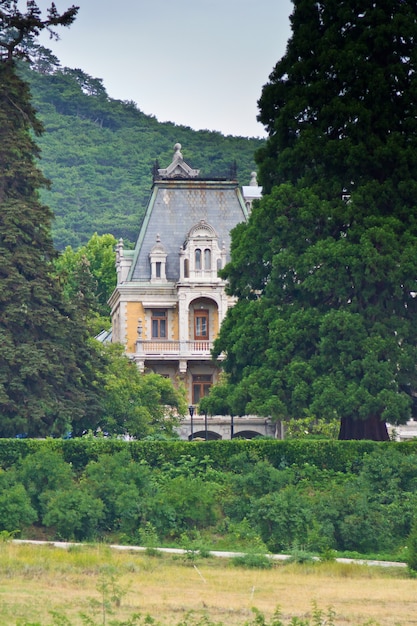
(134, 312)
(215, 315)
(175, 327)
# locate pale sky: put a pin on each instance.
(199, 63)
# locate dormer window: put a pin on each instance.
(158, 257)
(201, 256)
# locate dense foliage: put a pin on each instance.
(88, 276)
(48, 368)
(244, 500)
(99, 153)
(54, 379)
(325, 270)
(136, 404)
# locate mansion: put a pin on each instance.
(169, 301)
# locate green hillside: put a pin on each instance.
(99, 154)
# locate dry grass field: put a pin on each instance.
(35, 580)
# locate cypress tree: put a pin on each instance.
(47, 381)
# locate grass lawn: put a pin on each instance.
(35, 580)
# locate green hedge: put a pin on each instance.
(324, 454)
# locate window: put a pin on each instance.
(158, 265)
(201, 386)
(186, 268)
(207, 259)
(201, 324)
(159, 324)
(198, 259)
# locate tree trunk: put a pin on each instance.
(372, 428)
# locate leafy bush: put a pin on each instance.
(182, 503)
(74, 514)
(16, 511)
(252, 560)
(42, 473)
(121, 485)
(283, 518)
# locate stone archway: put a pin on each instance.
(201, 435)
(247, 434)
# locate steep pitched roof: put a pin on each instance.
(179, 201)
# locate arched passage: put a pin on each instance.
(247, 434)
(201, 434)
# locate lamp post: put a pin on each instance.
(191, 412)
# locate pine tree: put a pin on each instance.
(47, 378)
(325, 270)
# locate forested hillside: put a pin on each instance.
(99, 153)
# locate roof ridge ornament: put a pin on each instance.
(177, 151)
(178, 168)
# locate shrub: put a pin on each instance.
(42, 473)
(74, 514)
(283, 518)
(252, 560)
(121, 484)
(16, 511)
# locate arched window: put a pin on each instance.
(198, 259)
(207, 259)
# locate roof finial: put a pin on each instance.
(253, 180)
(177, 151)
(178, 168)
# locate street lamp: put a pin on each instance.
(191, 412)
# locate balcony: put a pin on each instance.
(171, 350)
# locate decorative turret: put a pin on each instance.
(251, 192)
(123, 262)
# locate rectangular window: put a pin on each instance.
(201, 324)
(201, 386)
(159, 324)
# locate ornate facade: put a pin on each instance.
(169, 301)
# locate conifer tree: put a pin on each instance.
(325, 270)
(47, 380)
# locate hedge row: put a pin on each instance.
(324, 454)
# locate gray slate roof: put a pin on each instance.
(178, 203)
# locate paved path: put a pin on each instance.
(223, 555)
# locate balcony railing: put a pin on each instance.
(172, 349)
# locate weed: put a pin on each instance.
(8, 535)
(300, 556)
(253, 560)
